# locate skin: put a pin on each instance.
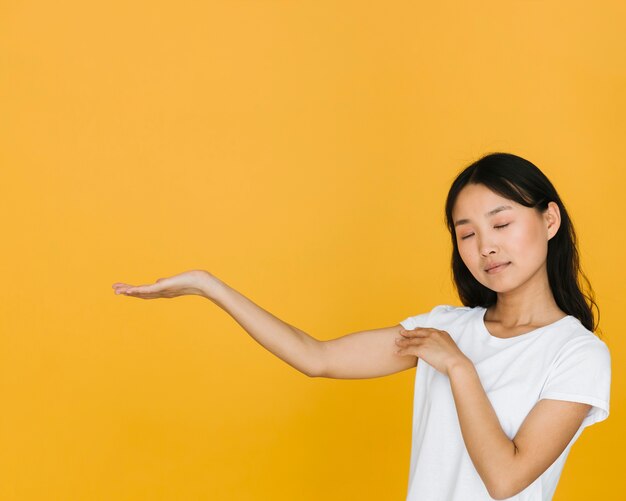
(525, 300)
(524, 303)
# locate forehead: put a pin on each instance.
(475, 200)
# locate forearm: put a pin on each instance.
(491, 450)
(287, 342)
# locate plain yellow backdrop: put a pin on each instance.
(301, 151)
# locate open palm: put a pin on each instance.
(186, 283)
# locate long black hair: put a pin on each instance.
(518, 179)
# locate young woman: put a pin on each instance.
(506, 383)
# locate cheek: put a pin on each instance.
(527, 243)
(518, 238)
(468, 256)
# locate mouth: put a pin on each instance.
(497, 268)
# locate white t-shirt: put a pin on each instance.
(562, 361)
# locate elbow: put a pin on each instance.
(500, 490)
(315, 367)
(497, 494)
(496, 491)
(505, 489)
(505, 493)
(506, 483)
(314, 372)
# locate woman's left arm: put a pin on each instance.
(509, 466)
(506, 466)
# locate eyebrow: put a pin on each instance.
(490, 213)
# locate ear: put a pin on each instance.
(552, 218)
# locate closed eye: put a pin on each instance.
(501, 226)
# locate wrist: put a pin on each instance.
(460, 365)
(210, 286)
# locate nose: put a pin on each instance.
(487, 247)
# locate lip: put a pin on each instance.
(497, 267)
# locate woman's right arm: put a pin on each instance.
(365, 354)
(358, 355)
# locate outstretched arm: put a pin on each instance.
(358, 355)
(290, 344)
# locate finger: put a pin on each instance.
(139, 292)
(404, 345)
(134, 289)
(403, 352)
(144, 295)
(139, 289)
(417, 332)
(149, 288)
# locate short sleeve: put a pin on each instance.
(581, 372)
(421, 320)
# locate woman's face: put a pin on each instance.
(491, 229)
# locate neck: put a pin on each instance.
(530, 304)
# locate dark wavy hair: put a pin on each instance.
(517, 179)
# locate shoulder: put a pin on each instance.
(581, 342)
(448, 313)
(576, 337)
(581, 372)
(439, 316)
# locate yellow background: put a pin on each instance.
(302, 152)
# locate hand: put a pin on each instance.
(432, 345)
(191, 282)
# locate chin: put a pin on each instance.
(500, 289)
(495, 286)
